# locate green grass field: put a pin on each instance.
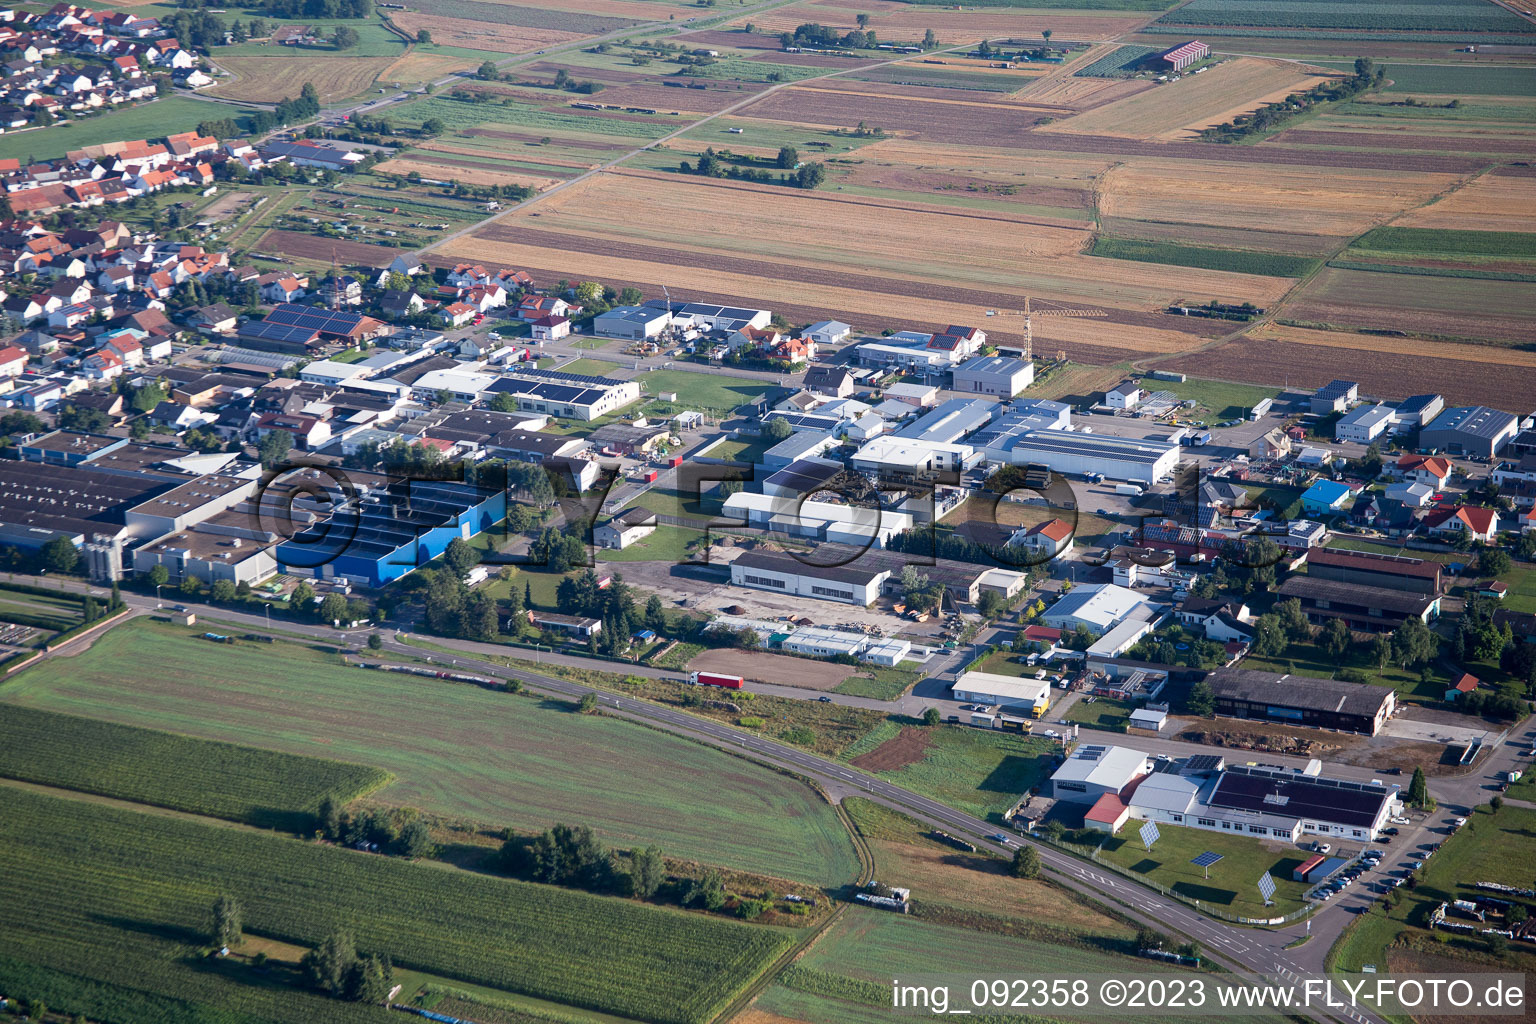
(260, 787)
(1238, 261)
(1103, 713)
(1215, 399)
(95, 890)
(373, 40)
(980, 771)
(1232, 887)
(1437, 244)
(879, 682)
(40, 611)
(742, 450)
(454, 749)
(591, 367)
(1490, 848)
(667, 544)
(145, 121)
(1452, 80)
(703, 391)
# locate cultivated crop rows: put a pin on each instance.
(1117, 62)
(1467, 15)
(168, 770)
(69, 861)
(523, 17)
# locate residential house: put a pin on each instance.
(1480, 523)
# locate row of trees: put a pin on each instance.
(1272, 115)
(715, 165)
(334, 966)
(398, 832)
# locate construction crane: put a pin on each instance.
(1029, 314)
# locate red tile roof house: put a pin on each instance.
(1481, 523)
(550, 328)
(1465, 685)
(1425, 469)
(13, 361)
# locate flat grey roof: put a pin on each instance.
(1474, 421)
(1306, 692)
(1101, 446)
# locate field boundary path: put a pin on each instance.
(1250, 953)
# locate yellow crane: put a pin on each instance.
(1029, 314)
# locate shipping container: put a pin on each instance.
(651, 475)
(675, 461)
(715, 679)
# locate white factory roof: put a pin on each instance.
(1098, 605)
(1011, 689)
(1108, 767)
(817, 512)
(908, 450)
(1166, 791)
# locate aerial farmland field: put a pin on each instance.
(136, 890)
(525, 770)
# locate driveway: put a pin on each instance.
(1437, 732)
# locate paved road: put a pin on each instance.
(1248, 952)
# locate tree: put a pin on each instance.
(777, 429)
(811, 175)
(1494, 562)
(369, 980)
(1418, 788)
(1519, 660)
(415, 840)
(787, 159)
(1268, 636)
(1336, 638)
(325, 967)
(225, 924)
(930, 40)
(423, 36)
(1381, 650)
(487, 71)
(159, 576)
(647, 870)
(1201, 700)
(1026, 863)
(707, 892)
(375, 641)
(1414, 643)
(345, 37)
(931, 716)
(1045, 34)
(333, 608)
(460, 556)
(655, 615)
(60, 555)
(862, 19)
(328, 821)
(274, 448)
(222, 591)
(1293, 620)
(302, 597)
(588, 703)
(432, 126)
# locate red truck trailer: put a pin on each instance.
(715, 679)
(650, 476)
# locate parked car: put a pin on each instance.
(1389, 831)
(1398, 819)
(998, 837)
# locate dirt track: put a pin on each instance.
(779, 669)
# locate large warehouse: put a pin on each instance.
(785, 574)
(571, 395)
(1008, 691)
(1302, 700)
(1470, 430)
(1141, 461)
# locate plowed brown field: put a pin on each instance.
(269, 79)
(961, 123)
(1494, 202)
(316, 249)
(478, 35)
(899, 21)
(1447, 306)
(416, 66)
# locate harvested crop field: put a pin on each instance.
(1221, 237)
(973, 259)
(318, 250)
(907, 747)
(479, 35)
(488, 157)
(596, 145)
(664, 98)
(446, 168)
(1247, 196)
(1214, 97)
(1447, 306)
(900, 21)
(583, 21)
(269, 79)
(958, 122)
(416, 67)
(778, 669)
(1390, 368)
(1074, 171)
(631, 10)
(1394, 140)
(1080, 93)
(1493, 202)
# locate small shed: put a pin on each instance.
(1152, 721)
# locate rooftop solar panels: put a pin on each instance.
(273, 330)
(326, 321)
(559, 376)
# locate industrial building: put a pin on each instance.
(1393, 572)
(1415, 411)
(820, 642)
(802, 444)
(787, 575)
(990, 689)
(385, 532)
(634, 323)
(801, 477)
(998, 376)
(1302, 700)
(1363, 608)
(910, 457)
(949, 421)
(569, 395)
(856, 525)
(1117, 458)
(1185, 54)
(624, 529)
(1335, 396)
(1363, 425)
(1100, 607)
(1470, 430)
(1093, 771)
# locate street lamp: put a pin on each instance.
(157, 595)
(268, 606)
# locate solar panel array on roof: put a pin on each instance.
(1313, 799)
(327, 321)
(274, 330)
(569, 394)
(562, 376)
